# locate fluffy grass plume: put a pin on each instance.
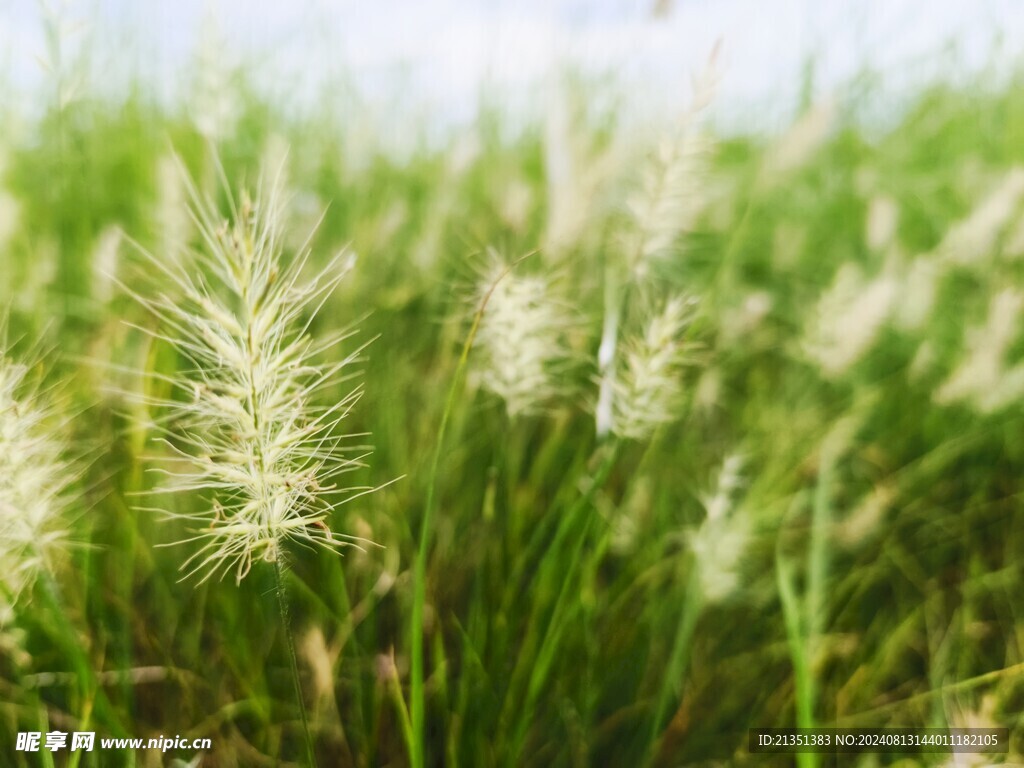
(33, 479)
(671, 196)
(848, 319)
(520, 339)
(246, 429)
(648, 388)
(985, 377)
(720, 541)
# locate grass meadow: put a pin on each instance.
(561, 443)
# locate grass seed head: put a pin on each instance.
(984, 378)
(672, 190)
(520, 339)
(247, 428)
(719, 543)
(974, 239)
(848, 318)
(648, 388)
(33, 479)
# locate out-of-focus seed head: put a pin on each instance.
(984, 378)
(648, 388)
(672, 191)
(719, 543)
(848, 318)
(33, 478)
(520, 339)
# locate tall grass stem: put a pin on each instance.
(672, 682)
(416, 707)
(293, 659)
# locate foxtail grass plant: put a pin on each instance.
(34, 478)
(664, 207)
(648, 388)
(647, 394)
(520, 339)
(671, 196)
(716, 548)
(416, 731)
(247, 427)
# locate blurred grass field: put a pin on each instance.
(851, 412)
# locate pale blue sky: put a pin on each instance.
(440, 53)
